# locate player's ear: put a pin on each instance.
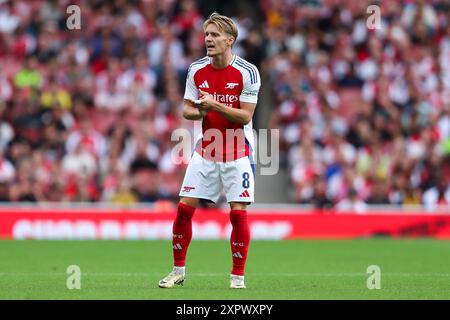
(231, 40)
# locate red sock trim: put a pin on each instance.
(186, 207)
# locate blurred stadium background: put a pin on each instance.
(86, 116)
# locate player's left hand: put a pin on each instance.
(207, 101)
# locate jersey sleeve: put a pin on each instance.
(190, 92)
(251, 85)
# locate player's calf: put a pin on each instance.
(240, 239)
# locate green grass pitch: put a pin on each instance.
(410, 269)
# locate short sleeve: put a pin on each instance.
(251, 85)
(190, 92)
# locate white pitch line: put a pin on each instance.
(142, 274)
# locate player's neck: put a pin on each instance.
(222, 61)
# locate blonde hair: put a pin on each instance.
(223, 23)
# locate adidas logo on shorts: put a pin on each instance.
(244, 194)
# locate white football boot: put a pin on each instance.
(237, 282)
(176, 277)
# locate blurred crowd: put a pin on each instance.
(364, 112)
(87, 114)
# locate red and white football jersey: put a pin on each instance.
(238, 82)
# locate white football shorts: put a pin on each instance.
(204, 179)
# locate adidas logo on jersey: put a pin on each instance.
(244, 194)
(177, 246)
(204, 85)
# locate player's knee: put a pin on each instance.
(185, 213)
(238, 206)
(191, 202)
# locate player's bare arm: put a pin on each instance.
(191, 112)
(240, 116)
